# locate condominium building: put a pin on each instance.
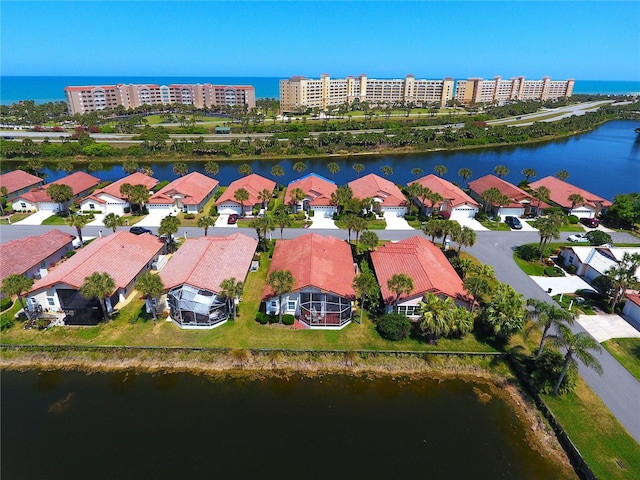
(98, 97)
(298, 93)
(478, 90)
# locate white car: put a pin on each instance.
(578, 237)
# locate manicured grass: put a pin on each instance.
(184, 222)
(371, 224)
(54, 220)
(11, 312)
(16, 217)
(530, 268)
(627, 352)
(566, 300)
(571, 228)
(606, 446)
(491, 225)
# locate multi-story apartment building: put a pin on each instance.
(98, 97)
(298, 93)
(478, 90)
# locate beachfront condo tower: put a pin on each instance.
(478, 90)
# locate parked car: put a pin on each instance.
(513, 222)
(590, 222)
(578, 237)
(233, 218)
(139, 230)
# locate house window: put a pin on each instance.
(571, 259)
(92, 206)
(51, 301)
(274, 303)
(23, 205)
(291, 305)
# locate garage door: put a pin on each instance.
(229, 209)
(462, 213)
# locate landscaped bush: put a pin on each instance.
(5, 303)
(127, 209)
(553, 272)
(481, 216)
(189, 216)
(394, 326)
(300, 215)
(6, 322)
(573, 220)
(311, 213)
(288, 319)
(528, 253)
(255, 210)
(273, 318)
(410, 218)
(262, 318)
(545, 371)
(572, 269)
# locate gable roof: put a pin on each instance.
(325, 263)
(18, 256)
(113, 189)
(254, 184)
(17, 180)
(122, 255)
(316, 187)
(373, 186)
(516, 195)
(192, 188)
(633, 298)
(78, 182)
(450, 192)
(560, 192)
(206, 261)
(423, 262)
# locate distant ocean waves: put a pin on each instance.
(51, 89)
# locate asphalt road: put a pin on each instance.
(617, 388)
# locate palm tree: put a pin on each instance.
(264, 196)
(212, 168)
(578, 346)
(281, 282)
(101, 286)
(622, 276)
(506, 311)
(562, 175)
(296, 196)
(500, 170)
(79, 222)
(168, 226)
(333, 168)
(528, 173)
(369, 240)
(440, 170)
(150, 285)
(277, 170)
(547, 229)
(282, 219)
(130, 166)
(416, 172)
(546, 316)
(359, 168)
(60, 194)
(433, 228)
(180, 168)
(139, 195)
(465, 174)
(467, 238)
(241, 195)
(299, 167)
(476, 286)
(231, 289)
(15, 284)
(399, 284)
(245, 169)
(366, 286)
(575, 199)
(205, 222)
(65, 166)
(386, 170)
(542, 194)
(490, 197)
(262, 225)
(112, 221)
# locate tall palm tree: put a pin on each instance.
(546, 316)
(139, 195)
(78, 221)
(205, 222)
(15, 284)
(60, 194)
(490, 197)
(500, 170)
(465, 174)
(168, 226)
(578, 346)
(130, 166)
(180, 169)
(245, 169)
(575, 199)
(299, 167)
(528, 173)
(212, 168)
(231, 289)
(547, 229)
(369, 240)
(562, 175)
(386, 170)
(367, 288)
(333, 168)
(542, 194)
(112, 221)
(467, 238)
(400, 283)
(264, 196)
(281, 282)
(277, 171)
(101, 286)
(282, 220)
(241, 195)
(296, 196)
(416, 172)
(623, 276)
(476, 286)
(151, 286)
(440, 170)
(506, 311)
(359, 168)
(433, 228)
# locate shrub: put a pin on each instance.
(255, 210)
(394, 326)
(5, 303)
(273, 318)
(528, 252)
(189, 216)
(300, 216)
(545, 371)
(573, 220)
(127, 209)
(70, 254)
(572, 269)
(311, 213)
(553, 272)
(410, 218)
(288, 319)
(213, 211)
(6, 322)
(481, 216)
(271, 205)
(262, 318)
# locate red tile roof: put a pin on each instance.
(18, 256)
(254, 184)
(317, 188)
(206, 261)
(448, 190)
(423, 262)
(18, 179)
(78, 181)
(373, 186)
(560, 192)
(325, 263)
(192, 188)
(633, 298)
(516, 195)
(113, 189)
(36, 195)
(122, 255)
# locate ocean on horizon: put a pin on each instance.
(51, 89)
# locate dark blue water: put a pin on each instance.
(51, 89)
(605, 161)
(68, 425)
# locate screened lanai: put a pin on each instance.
(193, 307)
(324, 309)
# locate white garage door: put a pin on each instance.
(462, 213)
(229, 209)
(326, 211)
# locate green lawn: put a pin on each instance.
(530, 268)
(491, 225)
(371, 224)
(627, 352)
(16, 217)
(54, 220)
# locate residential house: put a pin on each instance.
(317, 190)
(592, 262)
(520, 203)
(18, 182)
(561, 191)
(632, 307)
(426, 265)
(80, 183)
(187, 194)
(110, 200)
(123, 255)
(195, 272)
(455, 202)
(323, 269)
(254, 185)
(387, 197)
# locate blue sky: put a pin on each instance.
(582, 40)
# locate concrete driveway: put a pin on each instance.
(320, 221)
(472, 223)
(98, 221)
(568, 284)
(222, 222)
(152, 220)
(394, 222)
(605, 326)
(36, 218)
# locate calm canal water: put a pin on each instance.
(605, 161)
(67, 425)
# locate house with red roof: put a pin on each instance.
(323, 270)
(317, 190)
(387, 197)
(110, 200)
(80, 183)
(187, 194)
(18, 182)
(632, 307)
(520, 203)
(560, 191)
(195, 272)
(255, 185)
(426, 265)
(455, 202)
(32, 256)
(123, 255)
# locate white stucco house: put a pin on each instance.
(592, 206)
(591, 262)
(455, 202)
(254, 185)
(519, 203)
(37, 199)
(110, 200)
(387, 197)
(187, 194)
(317, 190)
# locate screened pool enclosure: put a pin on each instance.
(319, 309)
(194, 307)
